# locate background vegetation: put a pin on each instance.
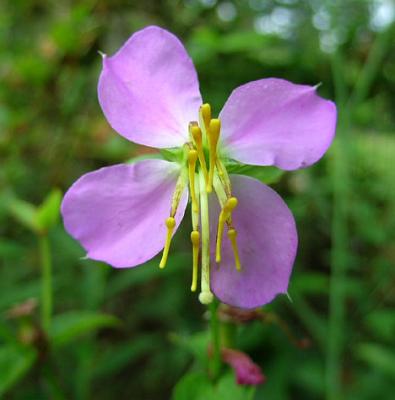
(133, 334)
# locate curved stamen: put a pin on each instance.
(224, 215)
(170, 221)
(170, 224)
(195, 239)
(212, 138)
(205, 117)
(196, 134)
(232, 234)
(192, 157)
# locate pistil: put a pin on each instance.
(195, 236)
(205, 296)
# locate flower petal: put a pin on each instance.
(118, 213)
(275, 122)
(247, 372)
(149, 90)
(267, 242)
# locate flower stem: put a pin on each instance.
(46, 281)
(215, 339)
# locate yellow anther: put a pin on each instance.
(205, 116)
(196, 134)
(232, 234)
(195, 239)
(229, 206)
(224, 215)
(170, 224)
(192, 157)
(212, 137)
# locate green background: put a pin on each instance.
(133, 334)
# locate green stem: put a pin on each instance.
(339, 252)
(215, 339)
(372, 65)
(46, 281)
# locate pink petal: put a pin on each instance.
(117, 213)
(275, 122)
(267, 242)
(247, 372)
(149, 90)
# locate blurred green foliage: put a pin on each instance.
(133, 334)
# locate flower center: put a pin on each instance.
(204, 140)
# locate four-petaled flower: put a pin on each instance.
(126, 214)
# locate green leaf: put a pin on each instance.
(67, 327)
(15, 362)
(382, 323)
(379, 357)
(115, 358)
(192, 386)
(196, 344)
(227, 388)
(49, 211)
(266, 175)
(25, 213)
(310, 283)
(197, 386)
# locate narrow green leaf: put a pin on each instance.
(378, 357)
(67, 327)
(25, 213)
(49, 211)
(15, 362)
(266, 175)
(192, 386)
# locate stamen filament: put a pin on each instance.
(212, 138)
(205, 117)
(196, 134)
(170, 224)
(192, 157)
(224, 215)
(205, 296)
(224, 177)
(232, 234)
(195, 239)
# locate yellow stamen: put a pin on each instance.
(196, 134)
(192, 157)
(205, 116)
(224, 215)
(212, 137)
(195, 239)
(224, 177)
(232, 234)
(170, 224)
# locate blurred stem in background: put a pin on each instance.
(215, 340)
(340, 254)
(46, 281)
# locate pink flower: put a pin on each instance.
(247, 372)
(126, 214)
